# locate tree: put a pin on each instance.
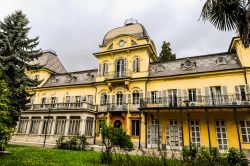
(5, 119)
(113, 137)
(228, 15)
(166, 53)
(17, 50)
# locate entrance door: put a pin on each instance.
(174, 135)
(152, 135)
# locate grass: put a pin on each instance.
(27, 155)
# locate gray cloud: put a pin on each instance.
(75, 28)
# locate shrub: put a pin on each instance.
(236, 158)
(73, 143)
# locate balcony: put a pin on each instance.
(113, 107)
(61, 106)
(118, 75)
(200, 101)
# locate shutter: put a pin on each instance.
(108, 99)
(160, 97)
(124, 98)
(64, 99)
(139, 67)
(115, 66)
(224, 90)
(179, 97)
(237, 92)
(129, 99)
(247, 89)
(185, 94)
(134, 68)
(113, 99)
(207, 92)
(102, 100)
(148, 100)
(141, 98)
(199, 94)
(47, 100)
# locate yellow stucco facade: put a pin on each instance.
(202, 99)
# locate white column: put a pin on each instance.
(53, 125)
(67, 125)
(28, 126)
(40, 128)
(82, 125)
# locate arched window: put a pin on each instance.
(120, 68)
(119, 98)
(136, 65)
(136, 97)
(104, 98)
(105, 68)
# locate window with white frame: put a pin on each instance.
(44, 101)
(53, 102)
(192, 96)
(104, 98)
(195, 132)
(172, 96)
(221, 134)
(154, 96)
(245, 130)
(105, 69)
(242, 89)
(78, 101)
(136, 65)
(67, 101)
(120, 68)
(47, 125)
(89, 126)
(74, 126)
(23, 124)
(34, 127)
(136, 97)
(119, 98)
(135, 127)
(60, 125)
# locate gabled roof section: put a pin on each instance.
(196, 64)
(50, 61)
(72, 78)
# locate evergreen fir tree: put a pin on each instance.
(17, 50)
(166, 53)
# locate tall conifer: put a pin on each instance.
(166, 53)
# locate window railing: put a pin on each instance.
(220, 100)
(118, 75)
(113, 107)
(57, 106)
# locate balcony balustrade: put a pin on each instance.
(221, 100)
(60, 106)
(118, 75)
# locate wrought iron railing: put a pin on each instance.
(57, 106)
(118, 75)
(174, 101)
(113, 107)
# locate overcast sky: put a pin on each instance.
(75, 28)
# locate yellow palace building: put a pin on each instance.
(202, 100)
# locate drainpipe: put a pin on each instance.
(245, 75)
(46, 127)
(95, 115)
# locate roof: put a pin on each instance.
(50, 61)
(72, 78)
(134, 29)
(198, 64)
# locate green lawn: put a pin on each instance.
(26, 155)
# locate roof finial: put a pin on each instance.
(130, 21)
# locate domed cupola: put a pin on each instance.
(131, 27)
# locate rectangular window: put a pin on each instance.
(192, 95)
(23, 124)
(53, 102)
(78, 101)
(195, 132)
(172, 95)
(89, 126)
(245, 130)
(154, 96)
(44, 101)
(136, 98)
(34, 127)
(174, 135)
(135, 127)
(242, 92)
(221, 134)
(47, 125)
(60, 125)
(90, 99)
(74, 126)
